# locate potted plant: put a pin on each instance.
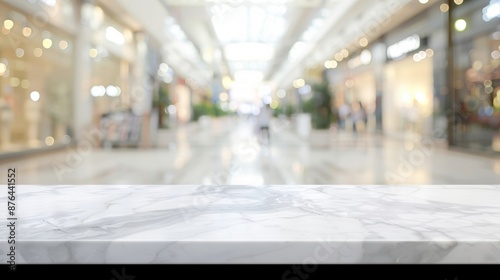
(303, 118)
(321, 116)
(161, 101)
(289, 110)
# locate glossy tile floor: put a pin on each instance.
(227, 151)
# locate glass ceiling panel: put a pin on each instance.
(249, 23)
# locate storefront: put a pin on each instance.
(362, 83)
(181, 99)
(111, 54)
(36, 61)
(414, 75)
(336, 74)
(476, 33)
(408, 96)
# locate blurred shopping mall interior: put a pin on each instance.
(175, 91)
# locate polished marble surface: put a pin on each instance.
(256, 224)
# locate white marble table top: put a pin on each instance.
(255, 224)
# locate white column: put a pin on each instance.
(5, 124)
(82, 100)
(142, 89)
(32, 112)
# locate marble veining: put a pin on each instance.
(256, 224)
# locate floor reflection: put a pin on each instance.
(228, 151)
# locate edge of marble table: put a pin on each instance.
(256, 224)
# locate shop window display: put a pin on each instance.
(413, 97)
(111, 54)
(477, 81)
(110, 109)
(478, 87)
(35, 83)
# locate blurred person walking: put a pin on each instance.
(411, 115)
(264, 121)
(357, 115)
(344, 111)
(364, 116)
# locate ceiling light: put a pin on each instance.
(8, 24)
(429, 52)
(330, 64)
(404, 46)
(112, 91)
(93, 53)
(363, 42)
(416, 57)
(115, 36)
(97, 91)
(249, 51)
(298, 50)
(26, 31)
(227, 82)
(49, 141)
(38, 52)
(231, 26)
(248, 76)
(345, 53)
(444, 8)
(47, 43)
(299, 83)
(249, 23)
(339, 57)
(491, 11)
(35, 96)
(460, 25)
(366, 57)
(495, 55)
(63, 45)
(164, 67)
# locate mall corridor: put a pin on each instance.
(227, 151)
(296, 132)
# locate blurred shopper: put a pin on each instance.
(356, 116)
(412, 114)
(364, 116)
(264, 121)
(344, 111)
